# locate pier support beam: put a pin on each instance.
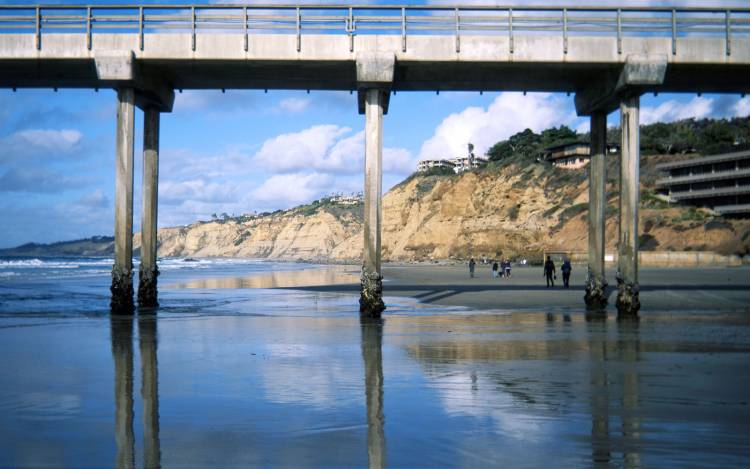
(628, 302)
(371, 286)
(374, 80)
(122, 276)
(148, 271)
(596, 283)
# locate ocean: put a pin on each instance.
(238, 368)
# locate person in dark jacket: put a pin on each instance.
(472, 265)
(494, 269)
(566, 268)
(549, 271)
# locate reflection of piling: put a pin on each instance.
(122, 352)
(600, 439)
(372, 343)
(631, 423)
(149, 391)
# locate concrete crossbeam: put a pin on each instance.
(641, 72)
(119, 68)
(374, 71)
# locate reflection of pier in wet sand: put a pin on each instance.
(122, 351)
(309, 277)
(372, 353)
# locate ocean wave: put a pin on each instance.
(21, 263)
(53, 264)
(175, 263)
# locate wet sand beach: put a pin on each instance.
(661, 289)
(232, 372)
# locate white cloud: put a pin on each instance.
(742, 107)
(507, 114)
(673, 110)
(326, 149)
(299, 150)
(294, 105)
(215, 101)
(38, 180)
(285, 190)
(95, 199)
(35, 142)
(398, 160)
(172, 192)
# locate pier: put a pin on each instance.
(607, 57)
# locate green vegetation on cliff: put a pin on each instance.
(703, 136)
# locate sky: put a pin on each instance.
(250, 151)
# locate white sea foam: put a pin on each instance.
(52, 264)
(20, 263)
(203, 263)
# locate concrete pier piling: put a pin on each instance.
(628, 302)
(122, 276)
(148, 271)
(596, 283)
(371, 286)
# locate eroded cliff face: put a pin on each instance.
(290, 235)
(504, 211)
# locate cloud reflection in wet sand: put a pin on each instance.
(413, 391)
(324, 275)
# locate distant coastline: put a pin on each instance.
(94, 247)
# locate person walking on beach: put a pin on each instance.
(565, 269)
(472, 264)
(494, 269)
(507, 268)
(549, 271)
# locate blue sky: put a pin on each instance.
(246, 151)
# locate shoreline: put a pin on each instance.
(672, 289)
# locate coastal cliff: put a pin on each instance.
(507, 210)
(512, 209)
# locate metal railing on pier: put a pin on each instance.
(400, 20)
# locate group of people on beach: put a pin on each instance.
(502, 270)
(550, 273)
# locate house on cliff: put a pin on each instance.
(573, 155)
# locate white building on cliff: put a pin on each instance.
(458, 164)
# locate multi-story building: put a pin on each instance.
(465, 163)
(347, 199)
(720, 182)
(573, 155)
(457, 165)
(424, 165)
